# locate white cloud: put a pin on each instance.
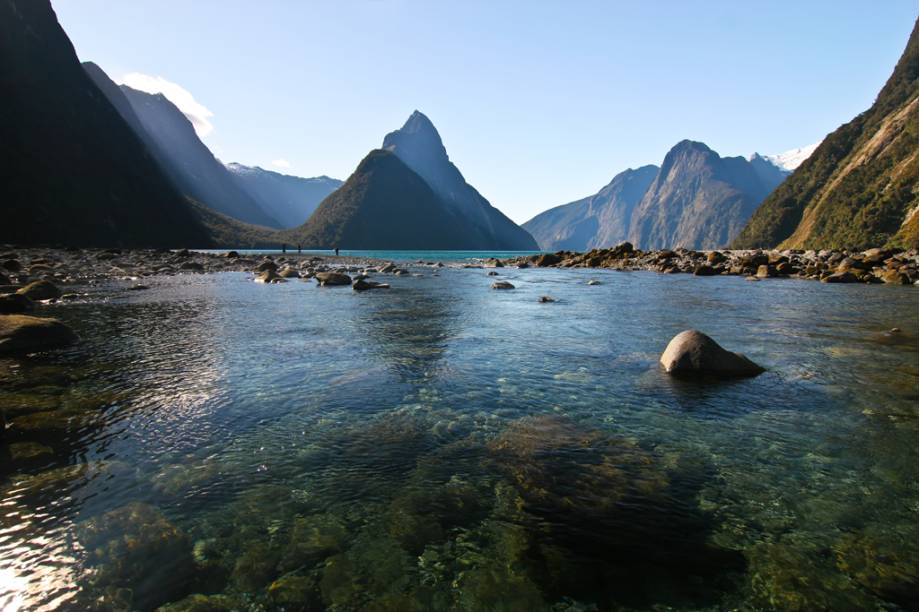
(197, 113)
(280, 163)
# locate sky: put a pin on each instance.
(538, 103)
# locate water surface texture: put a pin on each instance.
(445, 446)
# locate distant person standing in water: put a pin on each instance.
(299, 249)
(336, 251)
(283, 247)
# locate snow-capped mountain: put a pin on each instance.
(789, 160)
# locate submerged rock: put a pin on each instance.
(692, 352)
(363, 284)
(24, 333)
(546, 299)
(502, 285)
(40, 290)
(13, 303)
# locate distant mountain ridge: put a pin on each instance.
(288, 199)
(860, 187)
(418, 144)
(596, 221)
(384, 205)
(695, 199)
(172, 139)
(408, 195)
(76, 172)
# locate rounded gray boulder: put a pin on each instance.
(693, 353)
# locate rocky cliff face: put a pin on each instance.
(700, 200)
(384, 205)
(289, 199)
(597, 221)
(861, 186)
(419, 146)
(76, 173)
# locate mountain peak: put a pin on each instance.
(417, 136)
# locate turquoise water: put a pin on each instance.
(443, 446)
(426, 256)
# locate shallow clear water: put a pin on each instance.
(441, 445)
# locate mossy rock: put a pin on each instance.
(887, 564)
(295, 593)
(205, 603)
(312, 539)
(26, 334)
(29, 451)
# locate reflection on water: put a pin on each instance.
(217, 443)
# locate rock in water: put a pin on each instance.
(362, 284)
(332, 278)
(23, 334)
(15, 303)
(502, 285)
(692, 352)
(40, 290)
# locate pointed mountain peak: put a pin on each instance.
(686, 146)
(417, 137)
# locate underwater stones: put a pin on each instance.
(137, 548)
(312, 539)
(255, 567)
(423, 516)
(692, 353)
(887, 564)
(502, 285)
(294, 592)
(328, 279)
(205, 603)
(362, 284)
(27, 451)
(40, 290)
(24, 334)
(14, 303)
(593, 282)
(546, 299)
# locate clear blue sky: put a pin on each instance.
(538, 103)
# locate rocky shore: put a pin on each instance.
(877, 265)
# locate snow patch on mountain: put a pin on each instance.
(789, 160)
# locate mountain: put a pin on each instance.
(700, 200)
(600, 220)
(384, 204)
(289, 199)
(791, 159)
(75, 173)
(171, 138)
(860, 187)
(419, 146)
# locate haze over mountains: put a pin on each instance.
(75, 171)
(696, 199)
(288, 199)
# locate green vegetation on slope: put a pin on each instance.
(860, 185)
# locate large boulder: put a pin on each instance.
(332, 278)
(41, 290)
(24, 334)
(693, 353)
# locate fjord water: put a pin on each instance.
(441, 445)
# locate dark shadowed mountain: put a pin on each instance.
(288, 199)
(860, 187)
(597, 221)
(171, 137)
(384, 204)
(700, 200)
(419, 145)
(74, 171)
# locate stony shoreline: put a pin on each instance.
(890, 266)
